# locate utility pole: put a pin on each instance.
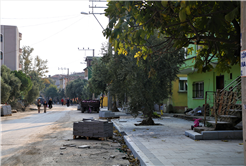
(243, 71)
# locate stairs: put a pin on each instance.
(228, 106)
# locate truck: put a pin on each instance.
(90, 105)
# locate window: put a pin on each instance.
(1, 55)
(198, 90)
(230, 75)
(182, 84)
(1, 37)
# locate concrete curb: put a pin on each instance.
(144, 161)
(215, 135)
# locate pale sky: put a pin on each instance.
(56, 29)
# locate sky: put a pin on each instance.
(56, 29)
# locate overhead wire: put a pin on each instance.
(42, 17)
(48, 37)
(49, 22)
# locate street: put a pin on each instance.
(36, 139)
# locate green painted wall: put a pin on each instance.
(209, 79)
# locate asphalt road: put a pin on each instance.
(32, 138)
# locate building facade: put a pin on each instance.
(10, 47)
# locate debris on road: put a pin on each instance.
(84, 146)
(62, 148)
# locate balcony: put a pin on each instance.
(20, 67)
(20, 36)
(20, 51)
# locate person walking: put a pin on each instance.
(68, 102)
(62, 101)
(45, 105)
(50, 103)
(39, 105)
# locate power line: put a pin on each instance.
(58, 32)
(42, 17)
(47, 37)
(49, 22)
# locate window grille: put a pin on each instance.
(198, 90)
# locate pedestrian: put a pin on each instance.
(50, 103)
(39, 105)
(68, 102)
(62, 101)
(45, 105)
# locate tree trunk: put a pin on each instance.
(148, 121)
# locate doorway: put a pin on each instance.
(220, 82)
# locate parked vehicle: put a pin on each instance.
(90, 105)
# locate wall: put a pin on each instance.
(209, 79)
(179, 99)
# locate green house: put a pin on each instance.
(199, 83)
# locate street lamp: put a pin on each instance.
(94, 16)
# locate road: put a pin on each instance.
(35, 139)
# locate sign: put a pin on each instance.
(243, 63)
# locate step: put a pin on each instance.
(218, 122)
(228, 116)
(236, 110)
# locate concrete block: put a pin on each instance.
(238, 134)
(6, 110)
(226, 134)
(210, 135)
(193, 135)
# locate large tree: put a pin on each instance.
(77, 89)
(26, 59)
(10, 86)
(26, 83)
(215, 25)
(144, 82)
(40, 66)
(52, 92)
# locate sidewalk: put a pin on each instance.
(167, 145)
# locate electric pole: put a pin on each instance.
(243, 71)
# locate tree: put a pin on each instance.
(215, 25)
(40, 66)
(38, 85)
(12, 85)
(144, 82)
(51, 91)
(5, 91)
(61, 94)
(77, 89)
(26, 83)
(26, 59)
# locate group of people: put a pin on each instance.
(67, 101)
(45, 104)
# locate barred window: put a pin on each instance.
(198, 90)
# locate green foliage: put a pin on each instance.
(12, 85)
(32, 95)
(26, 83)
(38, 85)
(156, 115)
(98, 81)
(212, 24)
(78, 88)
(144, 82)
(51, 91)
(5, 91)
(26, 59)
(61, 94)
(41, 66)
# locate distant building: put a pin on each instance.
(88, 69)
(10, 47)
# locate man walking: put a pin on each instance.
(62, 101)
